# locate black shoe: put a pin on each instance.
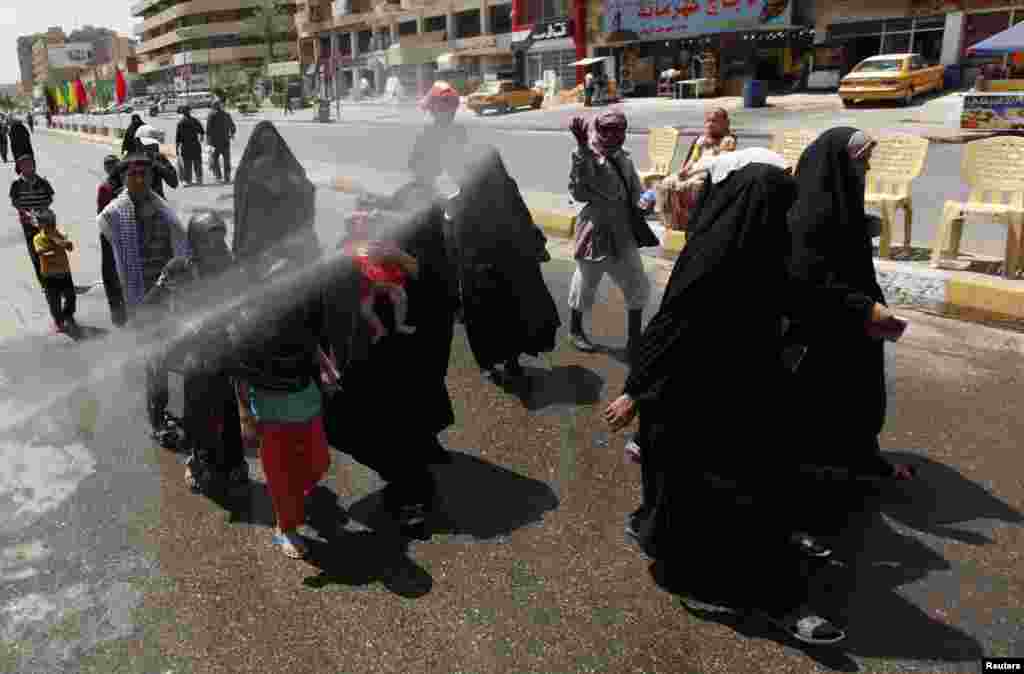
(806, 626)
(810, 546)
(581, 342)
(198, 476)
(238, 476)
(513, 368)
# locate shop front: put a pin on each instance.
(854, 41)
(715, 45)
(550, 46)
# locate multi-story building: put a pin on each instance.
(184, 42)
(55, 62)
(463, 41)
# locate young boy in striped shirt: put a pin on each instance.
(30, 193)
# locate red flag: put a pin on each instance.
(121, 87)
(81, 95)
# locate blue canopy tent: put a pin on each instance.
(1009, 41)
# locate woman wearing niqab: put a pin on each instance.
(395, 398)
(273, 197)
(710, 360)
(839, 386)
(507, 307)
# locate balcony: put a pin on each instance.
(190, 33)
(283, 52)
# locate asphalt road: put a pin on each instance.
(109, 565)
(380, 138)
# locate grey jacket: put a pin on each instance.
(603, 226)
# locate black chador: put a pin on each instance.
(507, 307)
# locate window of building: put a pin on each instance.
(896, 43)
(558, 61)
(365, 38)
(345, 44)
(501, 19)
(467, 24)
(434, 23)
(407, 28)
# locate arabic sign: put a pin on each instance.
(993, 112)
(693, 17)
(552, 30)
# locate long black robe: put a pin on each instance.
(273, 198)
(508, 309)
(128, 143)
(395, 398)
(839, 388)
(707, 380)
(21, 141)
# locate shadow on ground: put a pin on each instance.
(512, 501)
(860, 588)
(552, 390)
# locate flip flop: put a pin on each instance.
(291, 548)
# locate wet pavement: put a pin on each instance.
(110, 565)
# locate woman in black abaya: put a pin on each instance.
(395, 399)
(839, 310)
(507, 307)
(706, 380)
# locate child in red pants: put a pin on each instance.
(280, 403)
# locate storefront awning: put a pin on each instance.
(484, 51)
(589, 61)
(412, 56)
(1009, 41)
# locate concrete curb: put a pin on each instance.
(913, 284)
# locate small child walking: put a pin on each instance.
(55, 268)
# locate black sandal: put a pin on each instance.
(806, 626)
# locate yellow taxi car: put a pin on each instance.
(503, 96)
(890, 77)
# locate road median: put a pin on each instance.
(905, 283)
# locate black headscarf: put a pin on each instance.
(489, 216)
(128, 144)
(834, 283)
(707, 317)
(274, 200)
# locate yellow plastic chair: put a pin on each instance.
(994, 171)
(662, 145)
(791, 144)
(895, 162)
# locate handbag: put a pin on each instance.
(642, 231)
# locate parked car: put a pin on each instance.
(504, 96)
(891, 77)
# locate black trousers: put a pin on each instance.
(112, 283)
(157, 390)
(3, 146)
(190, 164)
(211, 420)
(225, 152)
(60, 295)
(30, 234)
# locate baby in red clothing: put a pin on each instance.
(385, 277)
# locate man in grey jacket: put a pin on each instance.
(603, 177)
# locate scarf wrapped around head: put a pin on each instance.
(442, 97)
(608, 132)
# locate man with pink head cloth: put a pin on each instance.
(440, 141)
(610, 229)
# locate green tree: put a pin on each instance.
(270, 23)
